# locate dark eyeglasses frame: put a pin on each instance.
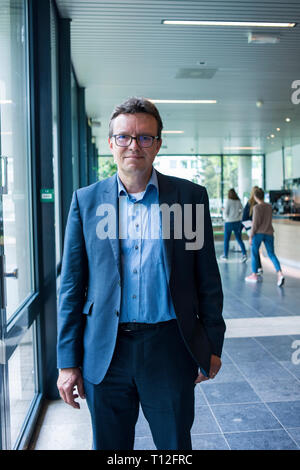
(154, 137)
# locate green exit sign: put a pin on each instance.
(47, 195)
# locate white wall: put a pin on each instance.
(296, 161)
(274, 177)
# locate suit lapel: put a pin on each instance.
(168, 194)
(110, 196)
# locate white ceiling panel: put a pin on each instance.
(121, 48)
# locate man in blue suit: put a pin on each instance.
(140, 307)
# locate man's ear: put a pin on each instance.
(110, 143)
(159, 142)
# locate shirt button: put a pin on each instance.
(134, 296)
(136, 247)
(135, 271)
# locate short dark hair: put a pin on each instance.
(259, 193)
(136, 105)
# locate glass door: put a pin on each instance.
(18, 371)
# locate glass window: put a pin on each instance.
(55, 133)
(14, 147)
(75, 155)
(22, 386)
(208, 174)
(257, 171)
(231, 169)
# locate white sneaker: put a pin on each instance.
(223, 258)
(244, 259)
(260, 271)
(280, 281)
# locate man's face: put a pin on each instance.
(134, 159)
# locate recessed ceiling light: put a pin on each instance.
(242, 148)
(278, 129)
(172, 132)
(256, 24)
(287, 119)
(184, 101)
(5, 101)
(272, 136)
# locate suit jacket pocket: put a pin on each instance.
(88, 306)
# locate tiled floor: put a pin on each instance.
(253, 403)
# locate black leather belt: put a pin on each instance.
(134, 326)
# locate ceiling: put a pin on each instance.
(121, 48)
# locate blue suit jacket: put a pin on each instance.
(91, 284)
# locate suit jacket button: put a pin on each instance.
(117, 313)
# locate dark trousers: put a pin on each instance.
(153, 368)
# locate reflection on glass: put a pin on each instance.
(55, 134)
(75, 155)
(21, 373)
(14, 145)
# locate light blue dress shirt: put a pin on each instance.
(145, 292)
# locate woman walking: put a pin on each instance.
(247, 221)
(233, 216)
(262, 231)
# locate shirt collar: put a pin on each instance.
(152, 182)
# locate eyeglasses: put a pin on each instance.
(142, 140)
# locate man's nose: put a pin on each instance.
(134, 144)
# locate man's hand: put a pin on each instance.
(67, 381)
(215, 365)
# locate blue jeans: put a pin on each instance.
(268, 240)
(236, 228)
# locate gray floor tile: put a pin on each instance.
(65, 437)
(261, 440)
(288, 413)
(293, 368)
(199, 396)
(295, 433)
(273, 389)
(245, 350)
(231, 392)
(279, 346)
(209, 442)
(250, 417)
(228, 373)
(144, 443)
(257, 371)
(142, 428)
(204, 421)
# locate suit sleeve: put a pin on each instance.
(74, 276)
(209, 287)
